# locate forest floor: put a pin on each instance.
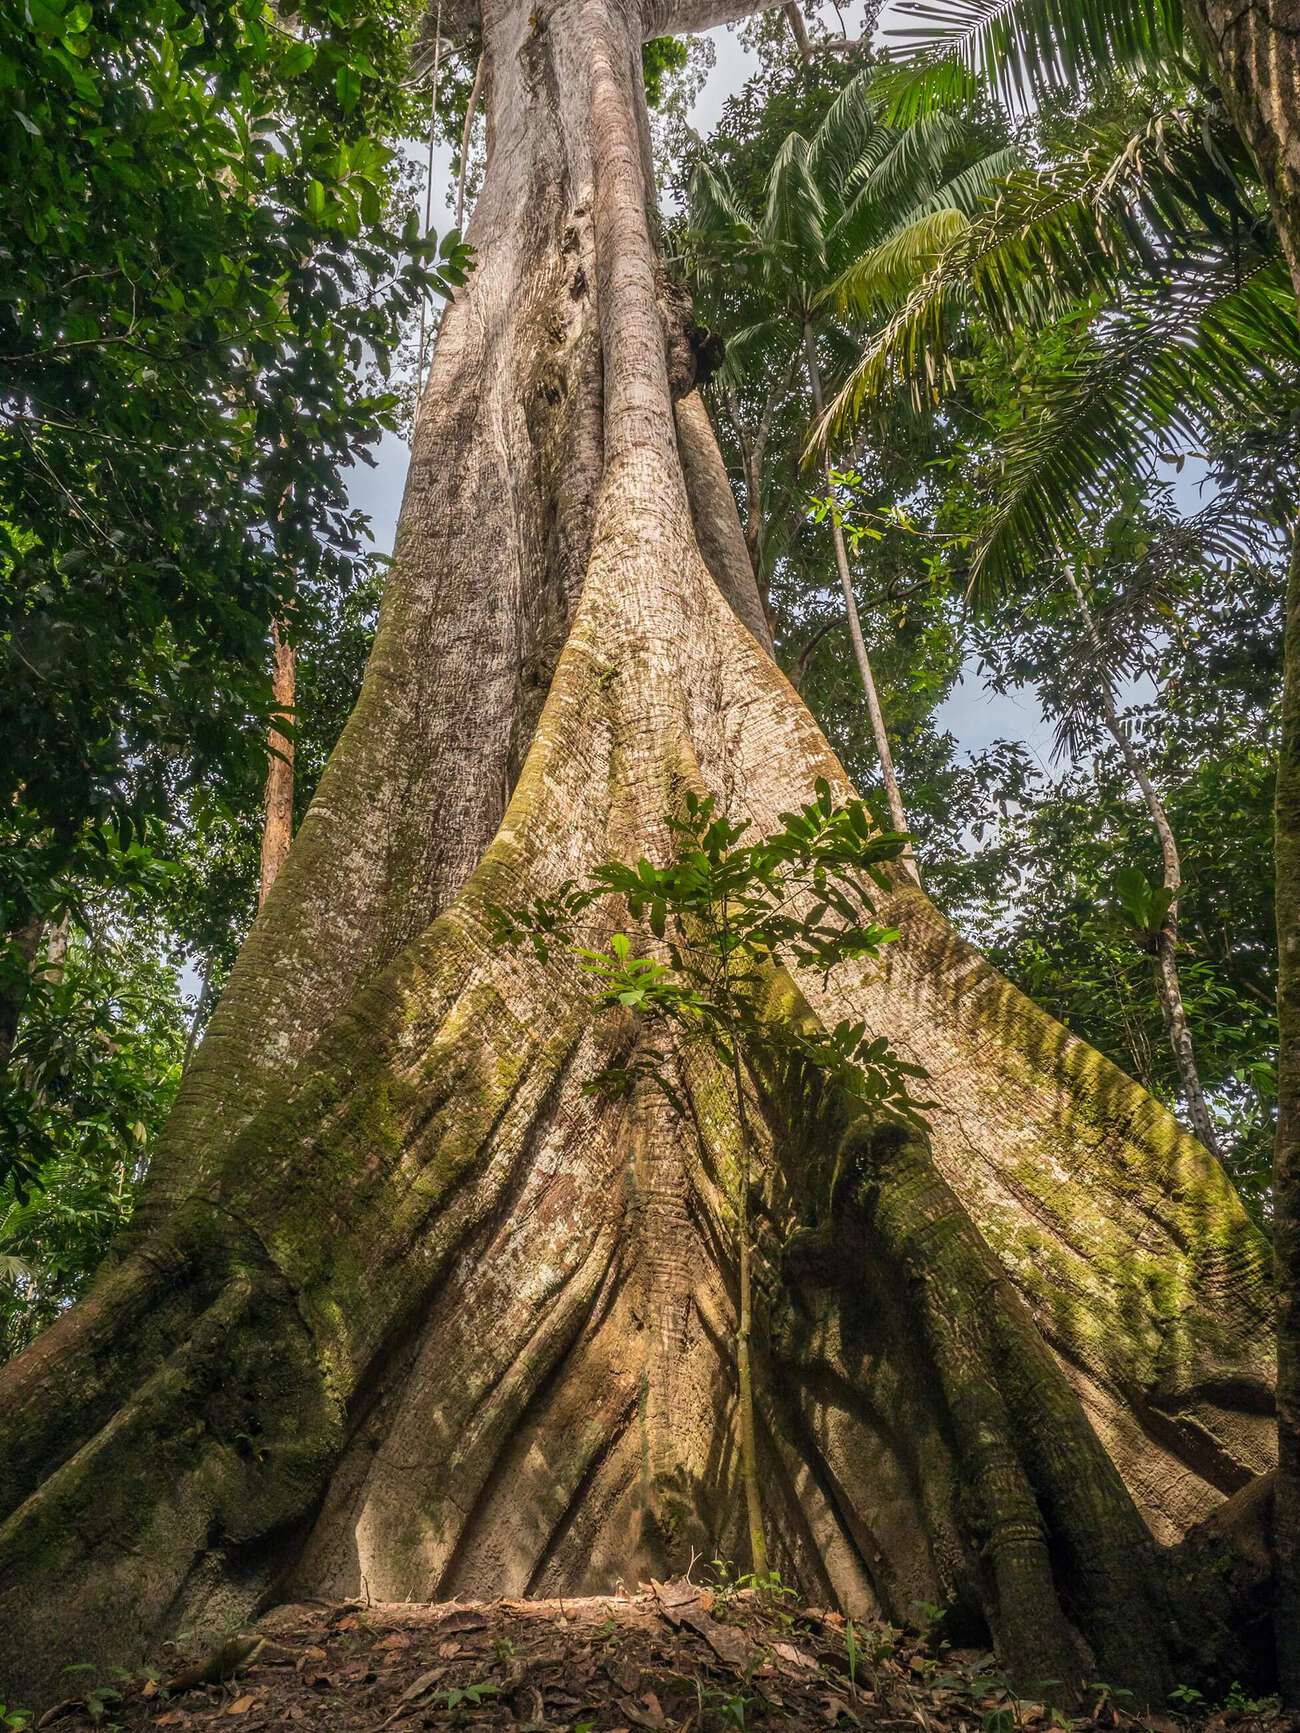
(673, 1658)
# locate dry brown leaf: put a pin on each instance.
(394, 1640)
(638, 1716)
(169, 1719)
(419, 1686)
(241, 1705)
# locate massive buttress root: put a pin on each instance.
(406, 1311)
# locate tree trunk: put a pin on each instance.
(1168, 988)
(880, 734)
(277, 804)
(406, 1311)
(1254, 47)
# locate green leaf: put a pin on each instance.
(298, 58)
(347, 87)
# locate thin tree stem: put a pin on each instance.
(428, 187)
(470, 108)
(277, 824)
(1286, 1151)
(1168, 986)
(897, 816)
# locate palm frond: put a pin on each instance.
(1025, 48)
(794, 220)
(886, 184)
(714, 208)
(1201, 350)
(842, 136)
(890, 270)
(749, 353)
(1080, 232)
(974, 188)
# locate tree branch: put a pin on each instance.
(688, 17)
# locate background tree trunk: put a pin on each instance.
(879, 733)
(407, 1311)
(1168, 987)
(277, 822)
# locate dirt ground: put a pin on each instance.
(673, 1658)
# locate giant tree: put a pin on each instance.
(408, 1311)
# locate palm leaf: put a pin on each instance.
(888, 271)
(1203, 349)
(887, 184)
(749, 353)
(1026, 48)
(794, 220)
(716, 212)
(842, 136)
(1083, 231)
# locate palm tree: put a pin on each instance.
(1224, 345)
(829, 200)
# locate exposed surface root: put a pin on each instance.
(672, 1656)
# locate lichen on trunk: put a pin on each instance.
(406, 1310)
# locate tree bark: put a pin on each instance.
(277, 803)
(408, 1311)
(1254, 47)
(1168, 987)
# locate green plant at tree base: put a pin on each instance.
(726, 913)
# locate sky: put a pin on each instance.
(975, 716)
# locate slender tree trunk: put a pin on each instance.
(196, 1021)
(406, 1309)
(277, 805)
(1254, 47)
(897, 815)
(467, 134)
(1168, 987)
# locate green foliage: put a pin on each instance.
(727, 912)
(660, 56)
(456, 1696)
(202, 279)
(1026, 48)
(199, 267)
(96, 1063)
